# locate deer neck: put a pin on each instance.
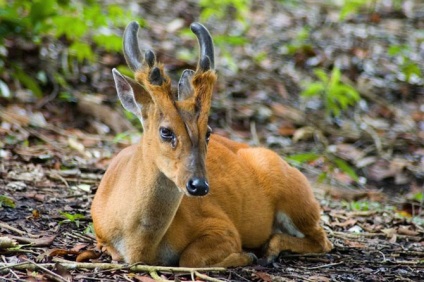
(159, 200)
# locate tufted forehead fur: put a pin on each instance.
(193, 110)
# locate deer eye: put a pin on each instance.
(167, 135)
(208, 134)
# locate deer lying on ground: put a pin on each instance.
(186, 197)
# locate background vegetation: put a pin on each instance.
(52, 50)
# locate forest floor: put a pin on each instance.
(53, 153)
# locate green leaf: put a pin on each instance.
(81, 51)
(419, 197)
(89, 229)
(71, 26)
(40, 10)
(346, 168)
(351, 7)
(119, 17)
(109, 42)
(397, 49)
(7, 202)
(72, 217)
(313, 89)
(321, 75)
(230, 40)
(123, 69)
(29, 82)
(303, 158)
(322, 177)
(410, 69)
(94, 15)
(394, 50)
(335, 77)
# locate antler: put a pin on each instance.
(207, 59)
(132, 54)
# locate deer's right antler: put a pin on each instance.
(133, 55)
(207, 59)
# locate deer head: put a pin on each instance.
(176, 129)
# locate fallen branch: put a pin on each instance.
(53, 275)
(11, 228)
(324, 266)
(152, 270)
(345, 235)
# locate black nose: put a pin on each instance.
(197, 186)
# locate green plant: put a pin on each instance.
(214, 10)
(76, 30)
(337, 95)
(367, 205)
(89, 229)
(71, 218)
(219, 9)
(331, 164)
(349, 7)
(300, 42)
(7, 202)
(408, 68)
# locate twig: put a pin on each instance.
(11, 228)
(13, 273)
(152, 270)
(324, 265)
(366, 234)
(205, 277)
(136, 267)
(57, 175)
(112, 266)
(57, 276)
(126, 278)
(15, 251)
(156, 276)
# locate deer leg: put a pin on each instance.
(314, 242)
(221, 248)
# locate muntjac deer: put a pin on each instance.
(186, 197)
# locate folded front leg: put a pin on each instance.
(217, 247)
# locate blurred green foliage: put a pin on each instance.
(76, 28)
(71, 218)
(330, 164)
(238, 10)
(7, 202)
(220, 9)
(335, 94)
(408, 68)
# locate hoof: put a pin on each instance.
(253, 257)
(266, 261)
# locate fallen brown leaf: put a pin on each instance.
(406, 230)
(348, 222)
(88, 255)
(263, 276)
(144, 278)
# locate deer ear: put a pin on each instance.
(132, 95)
(125, 92)
(185, 90)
